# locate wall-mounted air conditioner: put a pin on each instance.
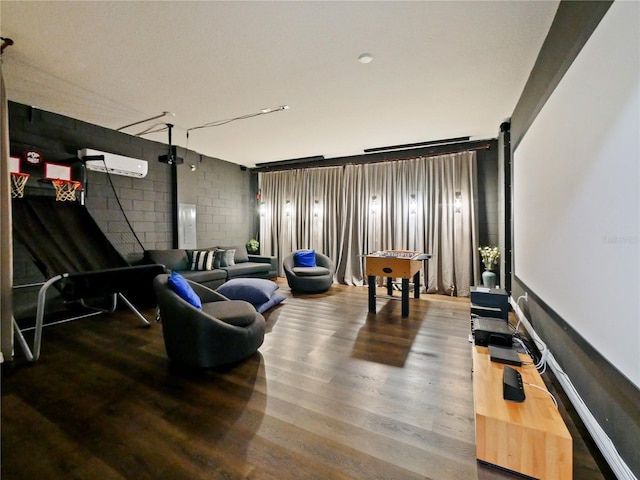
(112, 163)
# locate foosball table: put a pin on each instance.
(404, 264)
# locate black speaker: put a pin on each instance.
(512, 388)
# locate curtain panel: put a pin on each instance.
(423, 204)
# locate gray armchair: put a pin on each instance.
(309, 279)
(223, 332)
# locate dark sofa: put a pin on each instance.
(245, 265)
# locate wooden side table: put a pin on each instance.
(529, 437)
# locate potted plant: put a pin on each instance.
(253, 246)
(490, 256)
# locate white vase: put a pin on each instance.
(489, 279)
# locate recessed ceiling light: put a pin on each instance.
(365, 58)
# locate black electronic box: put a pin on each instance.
(491, 331)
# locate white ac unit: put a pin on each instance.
(112, 163)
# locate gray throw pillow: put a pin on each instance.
(218, 258)
(228, 258)
(241, 254)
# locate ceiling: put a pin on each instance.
(439, 69)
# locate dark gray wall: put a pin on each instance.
(489, 204)
(146, 202)
(504, 204)
(488, 197)
(224, 201)
(610, 397)
(571, 28)
(222, 190)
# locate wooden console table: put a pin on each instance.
(403, 264)
(529, 437)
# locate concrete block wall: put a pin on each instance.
(146, 203)
(224, 214)
(223, 198)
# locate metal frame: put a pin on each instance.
(33, 355)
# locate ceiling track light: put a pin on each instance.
(218, 123)
(163, 114)
(272, 110)
(155, 128)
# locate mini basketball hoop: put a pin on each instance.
(65, 189)
(60, 177)
(18, 181)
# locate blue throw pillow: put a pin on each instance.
(256, 291)
(276, 299)
(304, 258)
(179, 284)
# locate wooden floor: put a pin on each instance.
(334, 393)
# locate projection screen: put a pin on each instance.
(576, 180)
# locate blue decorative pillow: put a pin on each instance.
(276, 299)
(305, 258)
(179, 284)
(256, 291)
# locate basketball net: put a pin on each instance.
(18, 181)
(65, 189)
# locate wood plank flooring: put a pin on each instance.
(333, 393)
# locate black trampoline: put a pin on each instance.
(78, 260)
